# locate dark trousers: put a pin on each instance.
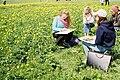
(101, 3)
(61, 38)
(4, 2)
(106, 2)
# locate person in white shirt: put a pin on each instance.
(4, 2)
(102, 2)
(88, 20)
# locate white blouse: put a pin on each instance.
(88, 18)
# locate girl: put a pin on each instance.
(115, 17)
(88, 19)
(62, 22)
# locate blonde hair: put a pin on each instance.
(65, 11)
(87, 10)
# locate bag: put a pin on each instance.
(75, 40)
(98, 60)
(92, 25)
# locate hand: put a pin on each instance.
(97, 18)
(96, 24)
(86, 22)
(63, 29)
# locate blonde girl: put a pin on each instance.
(88, 20)
(62, 22)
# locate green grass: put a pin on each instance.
(28, 50)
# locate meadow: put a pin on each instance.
(28, 50)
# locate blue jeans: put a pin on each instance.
(98, 48)
(86, 28)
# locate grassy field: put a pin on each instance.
(28, 50)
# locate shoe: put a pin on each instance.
(66, 45)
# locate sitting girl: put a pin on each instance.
(62, 22)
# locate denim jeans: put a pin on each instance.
(98, 48)
(86, 28)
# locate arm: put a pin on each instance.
(112, 18)
(85, 19)
(118, 22)
(99, 35)
(55, 23)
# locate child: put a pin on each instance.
(88, 19)
(62, 22)
(115, 17)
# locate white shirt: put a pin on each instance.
(88, 18)
(102, 1)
